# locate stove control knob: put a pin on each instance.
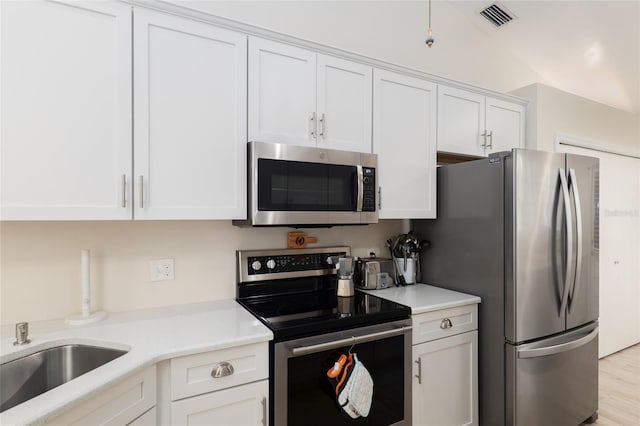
(256, 265)
(329, 261)
(271, 263)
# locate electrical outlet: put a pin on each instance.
(161, 270)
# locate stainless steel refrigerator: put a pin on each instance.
(520, 230)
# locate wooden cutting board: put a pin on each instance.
(299, 239)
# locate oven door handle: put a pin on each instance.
(304, 350)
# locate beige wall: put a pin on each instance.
(553, 111)
(40, 275)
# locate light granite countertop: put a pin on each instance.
(423, 298)
(149, 335)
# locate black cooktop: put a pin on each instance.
(294, 293)
(301, 314)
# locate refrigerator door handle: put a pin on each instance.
(556, 349)
(569, 241)
(573, 182)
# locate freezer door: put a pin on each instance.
(536, 268)
(553, 381)
(583, 180)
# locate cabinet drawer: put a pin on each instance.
(193, 374)
(443, 323)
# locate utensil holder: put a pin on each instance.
(409, 272)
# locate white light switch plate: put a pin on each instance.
(161, 270)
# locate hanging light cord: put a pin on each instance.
(430, 39)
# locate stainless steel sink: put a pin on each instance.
(32, 375)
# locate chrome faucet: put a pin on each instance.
(22, 334)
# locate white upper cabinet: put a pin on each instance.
(404, 137)
(460, 121)
(190, 119)
(66, 111)
(505, 123)
(282, 93)
(473, 124)
(344, 104)
(299, 97)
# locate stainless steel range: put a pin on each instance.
(294, 293)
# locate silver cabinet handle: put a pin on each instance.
(222, 369)
(312, 122)
(264, 411)
(141, 192)
(446, 323)
(569, 230)
(573, 181)
(419, 375)
(490, 136)
(124, 191)
(484, 139)
(379, 197)
(321, 124)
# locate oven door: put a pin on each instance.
(303, 395)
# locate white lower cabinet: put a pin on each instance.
(224, 387)
(129, 402)
(241, 405)
(147, 419)
(445, 368)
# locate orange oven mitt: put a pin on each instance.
(353, 385)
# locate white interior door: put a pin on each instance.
(619, 247)
(344, 104)
(66, 110)
(282, 93)
(190, 133)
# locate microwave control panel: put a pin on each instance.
(369, 189)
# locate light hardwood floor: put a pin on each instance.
(619, 393)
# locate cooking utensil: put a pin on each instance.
(396, 277)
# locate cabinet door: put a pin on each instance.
(445, 381)
(504, 125)
(66, 111)
(190, 119)
(242, 406)
(124, 403)
(404, 131)
(461, 121)
(282, 93)
(344, 104)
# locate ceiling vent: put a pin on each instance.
(497, 14)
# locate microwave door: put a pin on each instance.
(343, 194)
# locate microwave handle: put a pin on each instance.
(360, 196)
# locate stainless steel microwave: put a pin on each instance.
(304, 186)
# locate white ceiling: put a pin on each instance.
(588, 48)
